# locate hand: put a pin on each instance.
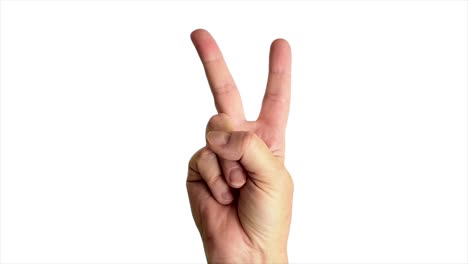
(270, 125)
(250, 224)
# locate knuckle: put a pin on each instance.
(199, 156)
(217, 122)
(278, 98)
(214, 119)
(242, 142)
(223, 89)
(193, 160)
(248, 138)
(213, 180)
(206, 155)
(229, 165)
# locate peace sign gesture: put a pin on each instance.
(270, 125)
(242, 205)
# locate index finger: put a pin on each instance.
(226, 96)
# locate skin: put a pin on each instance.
(239, 189)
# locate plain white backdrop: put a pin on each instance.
(104, 102)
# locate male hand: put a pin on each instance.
(242, 204)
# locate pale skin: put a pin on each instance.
(239, 189)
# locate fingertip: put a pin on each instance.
(199, 33)
(196, 32)
(227, 197)
(217, 138)
(280, 43)
(237, 178)
(280, 57)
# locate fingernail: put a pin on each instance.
(237, 177)
(227, 195)
(218, 137)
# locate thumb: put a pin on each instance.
(247, 148)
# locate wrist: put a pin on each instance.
(273, 257)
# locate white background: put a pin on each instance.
(104, 102)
